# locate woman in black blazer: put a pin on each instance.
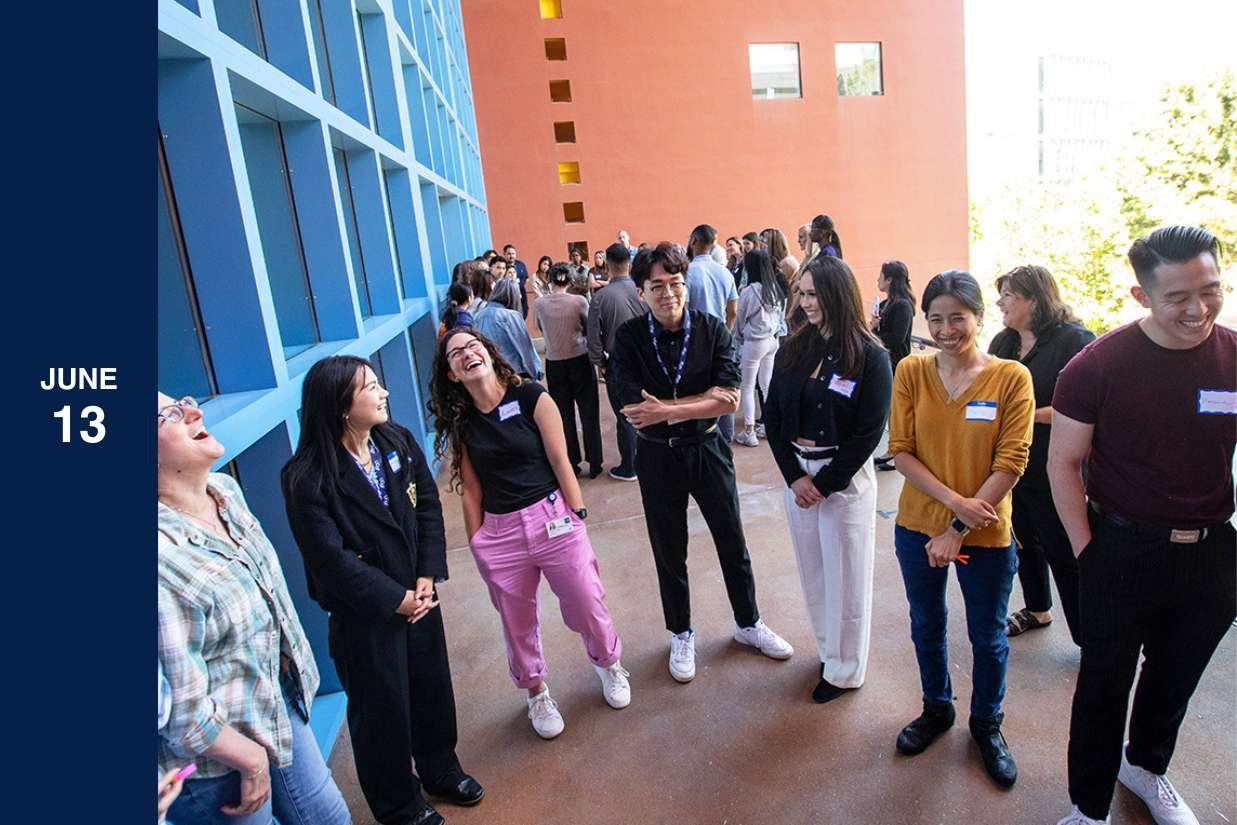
(363, 506)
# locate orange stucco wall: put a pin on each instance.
(668, 135)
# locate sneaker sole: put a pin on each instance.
(682, 679)
(548, 736)
(781, 657)
(623, 478)
(616, 706)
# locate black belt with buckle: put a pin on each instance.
(809, 454)
(1175, 535)
(680, 440)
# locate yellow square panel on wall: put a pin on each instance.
(569, 172)
(551, 9)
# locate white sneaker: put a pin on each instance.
(683, 656)
(760, 431)
(1161, 797)
(1077, 817)
(747, 438)
(543, 710)
(614, 685)
(761, 636)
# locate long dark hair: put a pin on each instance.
(450, 404)
(459, 295)
(899, 278)
(1037, 283)
(760, 270)
(825, 224)
(841, 305)
(326, 397)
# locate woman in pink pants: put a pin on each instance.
(524, 514)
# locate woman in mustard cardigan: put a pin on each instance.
(960, 429)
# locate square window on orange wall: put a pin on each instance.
(555, 48)
(569, 171)
(565, 132)
(551, 9)
(573, 212)
(560, 91)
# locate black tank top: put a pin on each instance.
(507, 453)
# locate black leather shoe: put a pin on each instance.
(427, 816)
(463, 790)
(923, 730)
(998, 761)
(827, 692)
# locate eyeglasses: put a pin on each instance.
(474, 345)
(175, 413)
(677, 287)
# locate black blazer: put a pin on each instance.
(362, 557)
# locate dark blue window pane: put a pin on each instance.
(318, 32)
(239, 20)
(344, 184)
(262, 141)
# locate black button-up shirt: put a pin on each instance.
(1052, 351)
(711, 362)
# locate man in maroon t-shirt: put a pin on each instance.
(1151, 408)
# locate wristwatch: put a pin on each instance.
(582, 513)
(959, 526)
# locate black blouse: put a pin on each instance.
(1052, 351)
(896, 317)
(830, 409)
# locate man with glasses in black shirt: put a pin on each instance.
(676, 372)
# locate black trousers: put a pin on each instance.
(573, 384)
(401, 708)
(1172, 602)
(668, 475)
(1043, 544)
(624, 433)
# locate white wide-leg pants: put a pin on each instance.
(835, 548)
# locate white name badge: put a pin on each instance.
(507, 410)
(981, 411)
(559, 527)
(393, 461)
(1217, 402)
(842, 386)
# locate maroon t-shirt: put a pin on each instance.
(1165, 425)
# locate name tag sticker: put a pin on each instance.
(981, 411)
(842, 386)
(1217, 402)
(559, 527)
(393, 461)
(508, 410)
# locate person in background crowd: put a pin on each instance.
(459, 298)
(775, 243)
(524, 515)
(482, 282)
(734, 262)
(363, 507)
(563, 320)
(541, 278)
(625, 239)
(960, 428)
(1150, 410)
(579, 274)
(710, 289)
(762, 306)
(806, 247)
(517, 266)
(823, 233)
(597, 277)
(232, 648)
(795, 317)
(488, 256)
(500, 321)
(718, 254)
(620, 302)
(1042, 333)
(677, 372)
(825, 413)
(751, 240)
(892, 322)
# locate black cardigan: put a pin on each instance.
(362, 557)
(856, 424)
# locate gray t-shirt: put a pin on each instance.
(563, 319)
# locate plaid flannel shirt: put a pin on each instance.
(225, 617)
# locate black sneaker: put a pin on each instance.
(427, 816)
(998, 761)
(923, 730)
(458, 789)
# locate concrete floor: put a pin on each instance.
(744, 744)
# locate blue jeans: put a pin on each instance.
(986, 582)
(725, 425)
(304, 793)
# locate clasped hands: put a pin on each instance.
(653, 410)
(418, 602)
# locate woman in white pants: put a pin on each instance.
(824, 414)
(758, 322)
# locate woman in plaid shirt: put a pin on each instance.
(232, 648)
